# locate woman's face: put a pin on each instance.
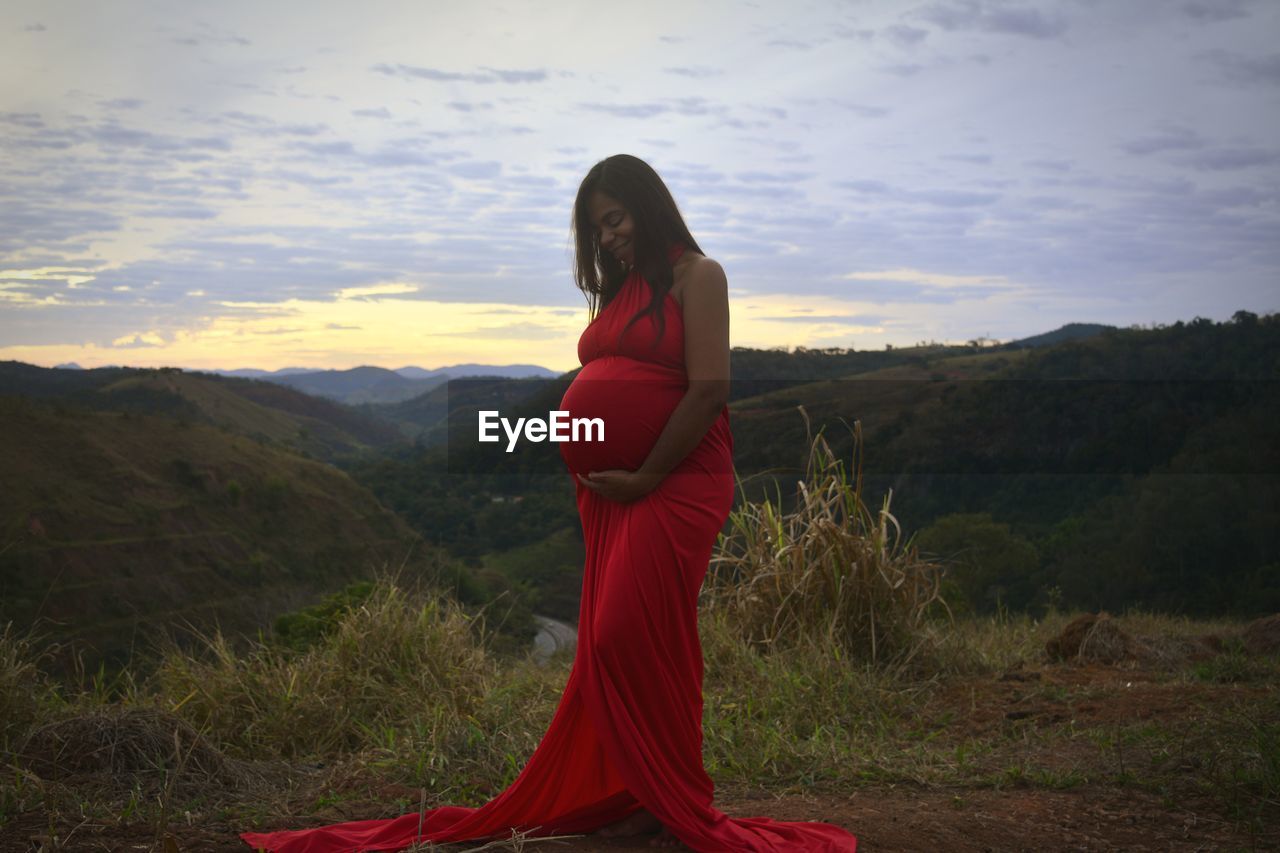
(613, 226)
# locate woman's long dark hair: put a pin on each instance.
(656, 225)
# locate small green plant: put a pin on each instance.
(304, 628)
(1232, 666)
(325, 800)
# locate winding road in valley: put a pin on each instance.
(553, 635)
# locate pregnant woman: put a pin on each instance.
(623, 753)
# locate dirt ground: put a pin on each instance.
(883, 819)
(1108, 814)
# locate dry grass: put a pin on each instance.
(26, 694)
(825, 659)
(399, 655)
(795, 717)
(830, 573)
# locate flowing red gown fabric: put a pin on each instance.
(627, 733)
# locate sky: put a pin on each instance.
(331, 184)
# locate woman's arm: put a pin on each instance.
(706, 352)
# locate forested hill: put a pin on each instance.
(138, 501)
(265, 411)
(119, 525)
(1135, 466)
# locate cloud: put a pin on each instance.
(476, 169)
(399, 157)
(267, 128)
(770, 191)
(986, 17)
(28, 120)
(524, 331)
(839, 319)
(930, 278)
(209, 36)
(1172, 139)
(332, 148)
(1239, 69)
(692, 106)
(1050, 165)
(698, 72)
(301, 129)
(134, 340)
(860, 110)
(936, 198)
(407, 196)
(1213, 12)
(757, 177)
(1226, 159)
(52, 225)
(34, 28)
(793, 44)
(365, 292)
(111, 134)
(484, 75)
(877, 187)
(187, 211)
(904, 69)
(69, 277)
(904, 35)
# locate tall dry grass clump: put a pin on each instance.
(831, 573)
(398, 656)
(27, 695)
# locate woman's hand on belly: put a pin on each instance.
(621, 486)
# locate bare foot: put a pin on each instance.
(666, 839)
(641, 822)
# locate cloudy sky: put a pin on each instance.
(329, 184)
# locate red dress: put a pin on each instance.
(627, 733)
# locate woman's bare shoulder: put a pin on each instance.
(698, 270)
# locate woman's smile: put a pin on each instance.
(613, 226)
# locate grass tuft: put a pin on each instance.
(830, 573)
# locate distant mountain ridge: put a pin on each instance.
(372, 384)
(270, 412)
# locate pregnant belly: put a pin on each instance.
(634, 399)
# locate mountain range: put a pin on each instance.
(138, 498)
(370, 384)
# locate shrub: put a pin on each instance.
(831, 571)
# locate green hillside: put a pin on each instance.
(117, 524)
(265, 411)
